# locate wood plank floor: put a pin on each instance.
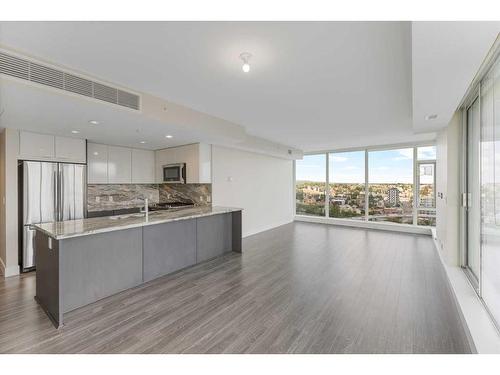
(299, 288)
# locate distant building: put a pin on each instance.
(338, 200)
(393, 196)
(427, 202)
(361, 199)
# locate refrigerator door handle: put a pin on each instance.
(60, 202)
(56, 195)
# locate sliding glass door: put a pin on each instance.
(490, 191)
(481, 198)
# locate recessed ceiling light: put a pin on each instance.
(96, 153)
(75, 131)
(142, 142)
(94, 122)
(245, 56)
(168, 136)
(431, 117)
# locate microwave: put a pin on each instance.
(174, 173)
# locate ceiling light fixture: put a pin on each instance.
(168, 136)
(245, 57)
(142, 142)
(431, 117)
(75, 131)
(94, 122)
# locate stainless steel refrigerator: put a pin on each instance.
(50, 192)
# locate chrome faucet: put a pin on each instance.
(146, 208)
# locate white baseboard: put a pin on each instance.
(482, 331)
(407, 228)
(8, 271)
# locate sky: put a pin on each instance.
(388, 166)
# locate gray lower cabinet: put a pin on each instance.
(214, 236)
(168, 248)
(97, 266)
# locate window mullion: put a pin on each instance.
(367, 190)
(327, 187)
(415, 191)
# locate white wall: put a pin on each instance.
(9, 143)
(448, 145)
(261, 185)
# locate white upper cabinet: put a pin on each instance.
(205, 163)
(97, 163)
(119, 165)
(143, 166)
(36, 146)
(70, 149)
(198, 159)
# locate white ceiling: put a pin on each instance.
(446, 56)
(313, 85)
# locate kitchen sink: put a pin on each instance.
(137, 215)
(121, 217)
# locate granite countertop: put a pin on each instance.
(85, 227)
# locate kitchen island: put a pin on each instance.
(81, 261)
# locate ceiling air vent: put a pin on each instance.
(106, 93)
(127, 99)
(48, 76)
(14, 66)
(77, 85)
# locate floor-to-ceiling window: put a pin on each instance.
(390, 185)
(310, 185)
(395, 185)
(346, 184)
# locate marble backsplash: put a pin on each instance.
(106, 197)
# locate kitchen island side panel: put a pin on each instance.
(214, 236)
(47, 277)
(237, 232)
(95, 267)
(168, 247)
